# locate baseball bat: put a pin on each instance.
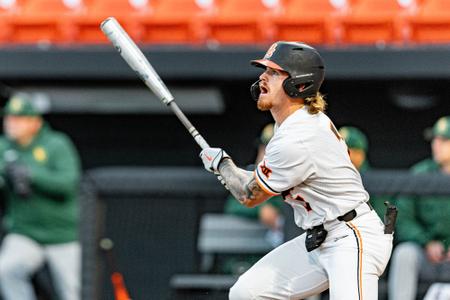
(139, 63)
(117, 281)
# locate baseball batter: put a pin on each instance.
(345, 247)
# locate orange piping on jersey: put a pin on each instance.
(360, 255)
(261, 185)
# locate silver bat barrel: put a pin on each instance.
(135, 58)
(139, 63)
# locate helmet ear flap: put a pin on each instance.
(255, 90)
(292, 86)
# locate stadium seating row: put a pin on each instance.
(228, 21)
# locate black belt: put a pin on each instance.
(352, 214)
(316, 236)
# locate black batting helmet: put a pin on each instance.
(302, 62)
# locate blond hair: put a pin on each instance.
(316, 103)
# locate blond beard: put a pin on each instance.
(264, 105)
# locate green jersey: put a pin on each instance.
(50, 214)
(424, 219)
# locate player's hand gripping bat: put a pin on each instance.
(137, 61)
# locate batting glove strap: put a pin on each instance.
(212, 157)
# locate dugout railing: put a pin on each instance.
(152, 215)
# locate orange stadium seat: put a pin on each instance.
(318, 26)
(242, 22)
(431, 23)
(175, 21)
(7, 10)
(374, 21)
(40, 21)
(87, 24)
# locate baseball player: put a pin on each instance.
(344, 247)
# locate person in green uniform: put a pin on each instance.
(269, 213)
(358, 146)
(423, 225)
(39, 176)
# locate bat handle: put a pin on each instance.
(199, 139)
(192, 130)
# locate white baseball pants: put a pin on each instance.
(349, 263)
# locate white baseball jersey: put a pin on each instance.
(308, 158)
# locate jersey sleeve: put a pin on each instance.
(285, 165)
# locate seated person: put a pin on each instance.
(357, 145)
(423, 227)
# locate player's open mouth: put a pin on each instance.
(263, 89)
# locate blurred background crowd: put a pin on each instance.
(103, 193)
